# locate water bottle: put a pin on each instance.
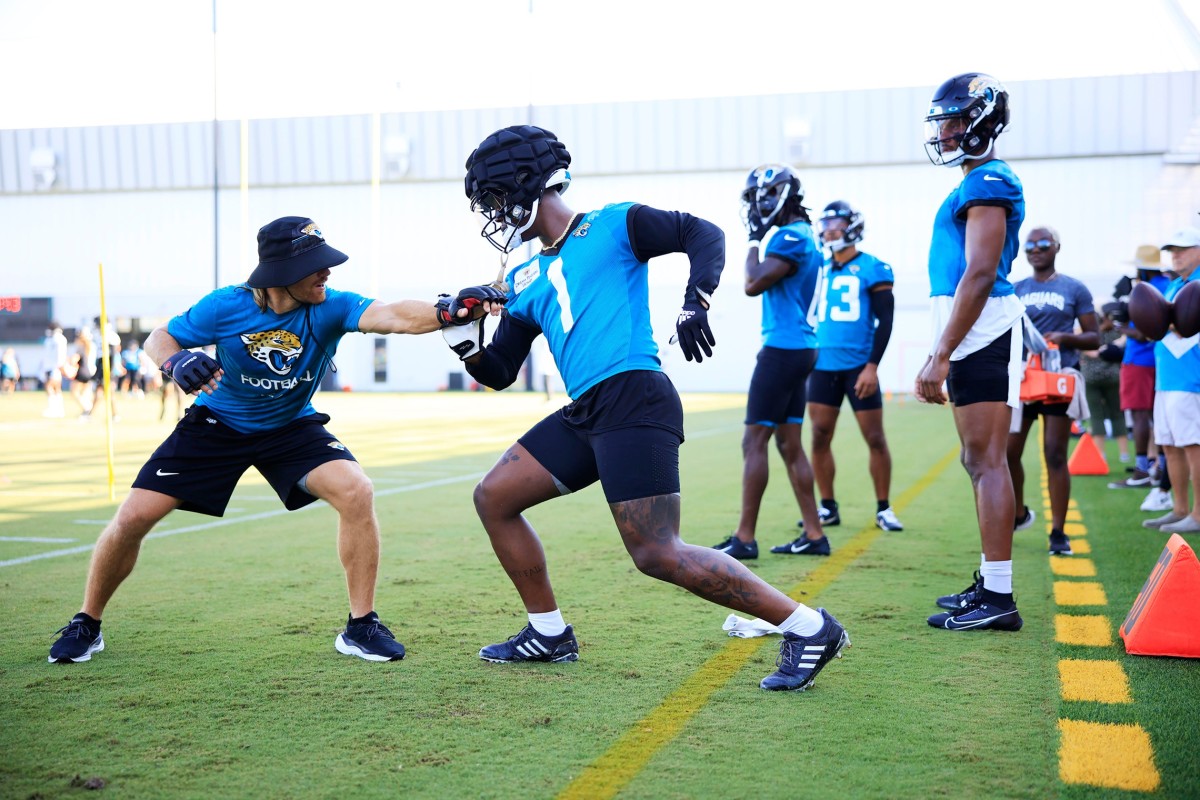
(1052, 359)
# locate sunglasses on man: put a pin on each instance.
(1040, 244)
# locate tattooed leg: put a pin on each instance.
(650, 529)
(515, 483)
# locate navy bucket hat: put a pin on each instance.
(290, 249)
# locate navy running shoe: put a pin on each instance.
(529, 645)
(830, 517)
(802, 657)
(978, 616)
(369, 639)
(1025, 520)
(735, 547)
(956, 602)
(1060, 544)
(804, 546)
(79, 639)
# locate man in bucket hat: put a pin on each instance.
(275, 335)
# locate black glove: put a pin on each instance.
(1111, 353)
(191, 370)
(470, 298)
(756, 227)
(693, 332)
(465, 340)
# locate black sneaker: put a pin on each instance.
(738, 549)
(1025, 520)
(803, 546)
(529, 645)
(1060, 543)
(978, 616)
(369, 639)
(80, 638)
(956, 602)
(801, 658)
(829, 518)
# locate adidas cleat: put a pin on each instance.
(801, 658)
(529, 645)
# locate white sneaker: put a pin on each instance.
(886, 520)
(1157, 500)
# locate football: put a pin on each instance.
(1150, 311)
(1186, 310)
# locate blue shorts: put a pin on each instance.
(624, 432)
(778, 389)
(828, 387)
(202, 460)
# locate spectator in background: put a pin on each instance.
(116, 368)
(1177, 398)
(1053, 302)
(54, 358)
(1137, 374)
(1101, 370)
(10, 371)
(84, 358)
(133, 381)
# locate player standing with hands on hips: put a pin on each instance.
(587, 292)
(977, 328)
(275, 336)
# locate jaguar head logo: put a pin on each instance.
(278, 349)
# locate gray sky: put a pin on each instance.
(71, 62)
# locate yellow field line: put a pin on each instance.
(1090, 753)
(622, 762)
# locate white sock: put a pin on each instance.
(997, 576)
(548, 624)
(804, 621)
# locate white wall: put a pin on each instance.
(157, 248)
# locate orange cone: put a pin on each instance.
(1087, 458)
(1165, 618)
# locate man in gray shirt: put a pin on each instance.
(1053, 302)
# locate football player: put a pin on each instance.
(854, 323)
(1054, 302)
(976, 344)
(275, 335)
(586, 291)
(786, 279)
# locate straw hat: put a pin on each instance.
(1148, 257)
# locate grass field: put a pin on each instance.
(220, 678)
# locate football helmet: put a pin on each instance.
(769, 189)
(965, 116)
(506, 176)
(852, 233)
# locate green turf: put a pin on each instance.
(220, 679)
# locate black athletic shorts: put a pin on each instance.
(828, 387)
(625, 432)
(981, 377)
(1032, 410)
(778, 388)
(203, 458)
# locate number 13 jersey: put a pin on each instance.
(845, 324)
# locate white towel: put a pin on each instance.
(748, 628)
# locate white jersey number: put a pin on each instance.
(840, 302)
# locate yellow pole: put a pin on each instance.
(106, 378)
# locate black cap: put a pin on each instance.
(290, 249)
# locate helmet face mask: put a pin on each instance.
(965, 116)
(506, 176)
(768, 190)
(841, 225)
